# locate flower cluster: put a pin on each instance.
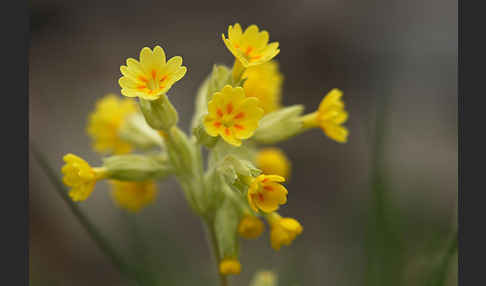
(237, 110)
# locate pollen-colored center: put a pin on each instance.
(152, 84)
(227, 117)
(248, 53)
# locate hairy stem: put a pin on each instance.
(213, 245)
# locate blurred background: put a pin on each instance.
(379, 210)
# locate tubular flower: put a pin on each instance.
(265, 193)
(152, 76)
(265, 83)
(330, 116)
(133, 196)
(250, 227)
(283, 230)
(251, 47)
(80, 176)
(273, 161)
(105, 123)
(229, 266)
(232, 115)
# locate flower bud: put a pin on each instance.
(136, 131)
(135, 167)
(160, 113)
(279, 125)
(238, 172)
(220, 76)
(201, 103)
(203, 137)
(226, 223)
(180, 151)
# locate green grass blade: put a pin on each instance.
(101, 241)
(439, 275)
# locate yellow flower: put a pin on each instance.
(152, 76)
(232, 115)
(80, 176)
(250, 227)
(229, 266)
(283, 230)
(265, 193)
(330, 116)
(265, 83)
(133, 196)
(105, 122)
(251, 47)
(273, 161)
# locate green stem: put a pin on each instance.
(140, 250)
(92, 231)
(384, 250)
(213, 244)
(440, 274)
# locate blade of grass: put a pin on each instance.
(439, 275)
(140, 250)
(383, 247)
(101, 241)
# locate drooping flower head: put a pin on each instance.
(105, 122)
(229, 266)
(250, 47)
(250, 227)
(80, 176)
(265, 83)
(133, 196)
(283, 230)
(273, 161)
(330, 116)
(152, 76)
(232, 115)
(266, 194)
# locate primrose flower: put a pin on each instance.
(133, 196)
(265, 83)
(250, 227)
(251, 47)
(273, 161)
(229, 266)
(329, 117)
(265, 193)
(152, 76)
(105, 122)
(232, 115)
(80, 176)
(283, 230)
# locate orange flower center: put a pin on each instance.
(152, 84)
(247, 53)
(228, 118)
